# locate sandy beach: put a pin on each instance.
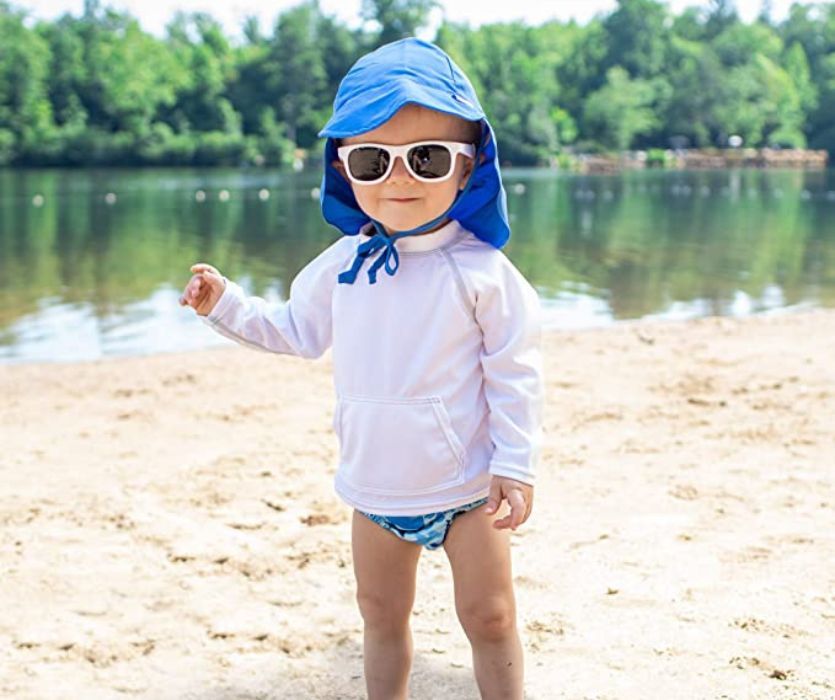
(170, 531)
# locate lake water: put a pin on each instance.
(92, 262)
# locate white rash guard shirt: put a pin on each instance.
(437, 368)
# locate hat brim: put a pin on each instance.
(366, 111)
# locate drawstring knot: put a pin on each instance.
(388, 257)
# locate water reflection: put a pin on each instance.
(92, 262)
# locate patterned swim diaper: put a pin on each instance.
(430, 530)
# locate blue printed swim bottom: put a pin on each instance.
(430, 530)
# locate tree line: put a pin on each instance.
(96, 89)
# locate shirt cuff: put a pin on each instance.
(512, 471)
(231, 291)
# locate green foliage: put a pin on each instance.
(7, 146)
(620, 110)
(25, 109)
(97, 89)
(658, 158)
(397, 18)
(298, 75)
(637, 37)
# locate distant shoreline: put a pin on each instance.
(697, 159)
(653, 158)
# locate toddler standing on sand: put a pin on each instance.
(437, 365)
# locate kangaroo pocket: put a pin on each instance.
(397, 446)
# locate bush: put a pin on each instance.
(161, 146)
(221, 148)
(274, 151)
(658, 158)
(7, 146)
(567, 161)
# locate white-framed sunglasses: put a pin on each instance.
(427, 161)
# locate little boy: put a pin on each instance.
(436, 363)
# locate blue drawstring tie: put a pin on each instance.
(389, 257)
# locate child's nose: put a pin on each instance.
(399, 171)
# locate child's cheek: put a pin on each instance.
(361, 195)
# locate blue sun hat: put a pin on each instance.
(409, 71)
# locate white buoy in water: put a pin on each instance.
(223, 195)
(263, 194)
(315, 192)
(110, 198)
(200, 196)
(38, 200)
(518, 188)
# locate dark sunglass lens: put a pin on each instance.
(368, 164)
(430, 161)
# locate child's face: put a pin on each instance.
(400, 202)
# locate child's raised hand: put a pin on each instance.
(203, 289)
(519, 497)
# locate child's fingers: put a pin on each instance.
(210, 279)
(193, 288)
(518, 507)
(494, 498)
(196, 288)
(529, 503)
(205, 284)
(518, 511)
(205, 267)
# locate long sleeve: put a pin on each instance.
(301, 326)
(508, 312)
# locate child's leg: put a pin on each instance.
(385, 567)
(484, 600)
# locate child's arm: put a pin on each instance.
(300, 326)
(508, 312)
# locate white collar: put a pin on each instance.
(417, 243)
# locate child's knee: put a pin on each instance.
(383, 612)
(488, 620)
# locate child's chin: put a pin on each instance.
(402, 223)
(407, 223)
